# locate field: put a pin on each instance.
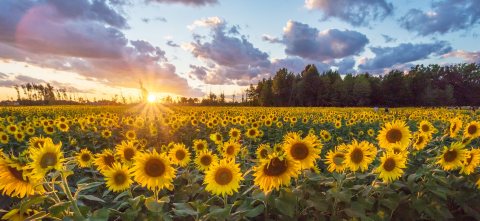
(157, 162)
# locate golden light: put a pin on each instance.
(151, 98)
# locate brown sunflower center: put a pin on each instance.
(200, 146)
(16, 173)
(230, 150)
(50, 129)
(120, 178)
(299, 151)
(85, 157)
(356, 156)
(263, 153)
(218, 137)
(454, 127)
(180, 154)
(252, 132)
(48, 159)
(338, 158)
(450, 156)
(389, 164)
(223, 176)
(234, 134)
(154, 168)
(63, 126)
(128, 153)
(425, 128)
(469, 159)
(276, 167)
(394, 135)
(109, 160)
(472, 129)
(206, 160)
(419, 140)
(4, 137)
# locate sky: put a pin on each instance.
(101, 48)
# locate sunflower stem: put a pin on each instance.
(225, 200)
(70, 197)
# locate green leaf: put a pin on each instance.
(184, 209)
(32, 201)
(255, 211)
(119, 196)
(59, 207)
(286, 203)
(100, 215)
(92, 198)
(319, 204)
(37, 216)
(154, 205)
(220, 213)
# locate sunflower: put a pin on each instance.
(230, 149)
(205, 159)
(275, 171)
(30, 131)
(360, 155)
(391, 167)
(305, 151)
(392, 133)
(223, 178)
(252, 133)
(263, 150)
(420, 140)
(471, 161)
(48, 130)
(326, 136)
(153, 170)
(62, 126)
(200, 145)
(455, 126)
(12, 129)
(104, 160)
(370, 132)
(216, 138)
(16, 215)
(426, 127)
(49, 156)
(106, 133)
(131, 135)
(336, 160)
(84, 158)
(19, 136)
(118, 177)
(179, 155)
(4, 138)
(452, 157)
(14, 181)
(126, 151)
(235, 134)
(472, 130)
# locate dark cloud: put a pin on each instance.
(172, 44)
(198, 72)
(388, 39)
(147, 20)
(307, 42)
(3, 76)
(386, 57)
(467, 56)
(187, 2)
(271, 39)
(357, 13)
(24, 79)
(444, 16)
(346, 65)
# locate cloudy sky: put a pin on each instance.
(97, 48)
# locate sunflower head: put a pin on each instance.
(223, 178)
(118, 177)
(48, 157)
(420, 140)
(84, 158)
(200, 145)
(305, 151)
(275, 171)
(263, 150)
(126, 151)
(393, 133)
(230, 149)
(455, 126)
(472, 130)
(471, 162)
(336, 160)
(153, 170)
(179, 155)
(105, 159)
(234, 134)
(391, 167)
(205, 159)
(452, 157)
(15, 181)
(360, 155)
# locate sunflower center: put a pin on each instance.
(469, 159)
(472, 129)
(450, 156)
(299, 151)
(50, 129)
(263, 153)
(251, 132)
(230, 150)
(128, 153)
(276, 167)
(419, 140)
(85, 157)
(218, 137)
(119, 178)
(454, 127)
(394, 135)
(48, 159)
(16, 173)
(338, 159)
(234, 134)
(223, 176)
(154, 168)
(357, 156)
(206, 160)
(200, 146)
(109, 160)
(4, 137)
(389, 164)
(180, 154)
(425, 128)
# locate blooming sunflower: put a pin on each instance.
(235, 134)
(125, 151)
(392, 133)
(420, 140)
(200, 145)
(205, 159)
(14, 181)
(62, 126)
(106, 133)
(118, 177)
(452, 157)
(336, 160)
(104, 160)
(153, 170)
(471, 161)
(223, 178)
(48, 157)
(455, 126)
(426, 127)
(230, 149)
(472, 130)
(252, 133)
(216, 138)
(179, 155)
(48, 130)
(306, 150)
(131, 135)
(275, 171)
(360, 155)
(391, 167)
(263, 150)
(4, 138)
(84, 158)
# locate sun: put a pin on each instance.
(151, 98)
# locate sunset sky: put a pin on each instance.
(98, 48)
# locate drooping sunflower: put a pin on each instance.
(306, 151)
(105, 159)
(426, 127)
(263, 150)
(420, 140)
(472, 130)
(336, 160)
(452, 157)
(235, 134)
(14, 180)
(48, 157)
(179, 155)
(125, 151)
(37, 142)
(360, 155)
(391, 167)
(153, 170)
(84, 158)
(118, 177)
(471, 161)
(200, 145)
(205, 159)
(455, 126)
(393, 133)
(230, 149)
(223, 178)
(275, 171)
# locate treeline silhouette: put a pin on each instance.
(432, 85)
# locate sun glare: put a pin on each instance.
(151, 98)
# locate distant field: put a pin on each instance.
(154, 162)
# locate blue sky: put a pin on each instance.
(190, 47)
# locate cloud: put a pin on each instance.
(357, 13)
(161, 19)
(307, 42)
(443, 17)
(12, 80)
(3, 76)
(187, 2)
(346, 65)
(172, 44)
(386, 57)
(470, 57)
(389, 39)
(270, 39)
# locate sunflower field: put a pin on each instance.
(159, 162)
